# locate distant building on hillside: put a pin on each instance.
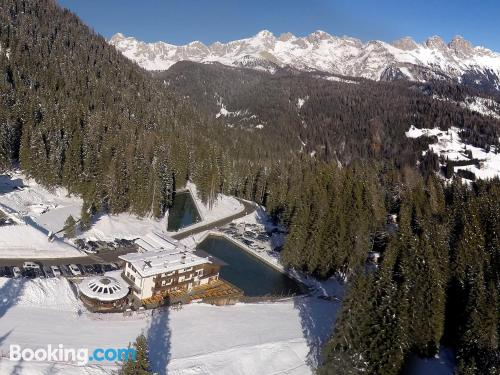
(166, 265)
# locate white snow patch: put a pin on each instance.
(37, 212)
(225, 113)
(417, 133)
(338, 79)
(301, 102)
(451, 146)
(223, 206)
(124, 225)
(25, 241)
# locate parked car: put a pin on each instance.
(75, 271)
(65, 270)
(7, 271)
(32, 270)
(29, 273)
(16, 272)
(109, 267)
(30, 265)
(98, 269)
(92, 245)
(47, 271)
(90, 250)
(80, 244)
(55, 271)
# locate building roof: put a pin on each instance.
(155, 241)
(104, 288)
(157, 262)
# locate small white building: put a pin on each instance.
(103, 292)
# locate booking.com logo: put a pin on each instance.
(81, 356)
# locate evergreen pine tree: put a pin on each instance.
(70, 227)
(140, 365)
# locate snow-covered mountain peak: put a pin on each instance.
(458, 60)
(461, 47)
(318, 36)
(264, 34)
(407, 43)
(437, 43)
(286, 37)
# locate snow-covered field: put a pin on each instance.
(124, 225)
(450, 145)
(267, 338)
(25, 196)
(36, 212)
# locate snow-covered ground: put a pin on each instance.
(272, 338)
(36, 212)
(25, 196)
(124, 225)
(451, 146)
(24, 241)
(128, 226)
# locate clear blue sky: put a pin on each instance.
(182, 21)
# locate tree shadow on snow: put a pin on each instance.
(18, 368)
(318, 311)
(8, 184)
(9, 294)
(159, 340)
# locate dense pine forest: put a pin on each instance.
(74, 112)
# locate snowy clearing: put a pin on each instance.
(125, 225)
(450, 146)
(338, 79)
(283, 337)
(26, 197)
(36, 212)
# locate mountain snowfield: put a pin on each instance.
(377, 60)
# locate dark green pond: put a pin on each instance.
(248, 273)
(182, 213)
